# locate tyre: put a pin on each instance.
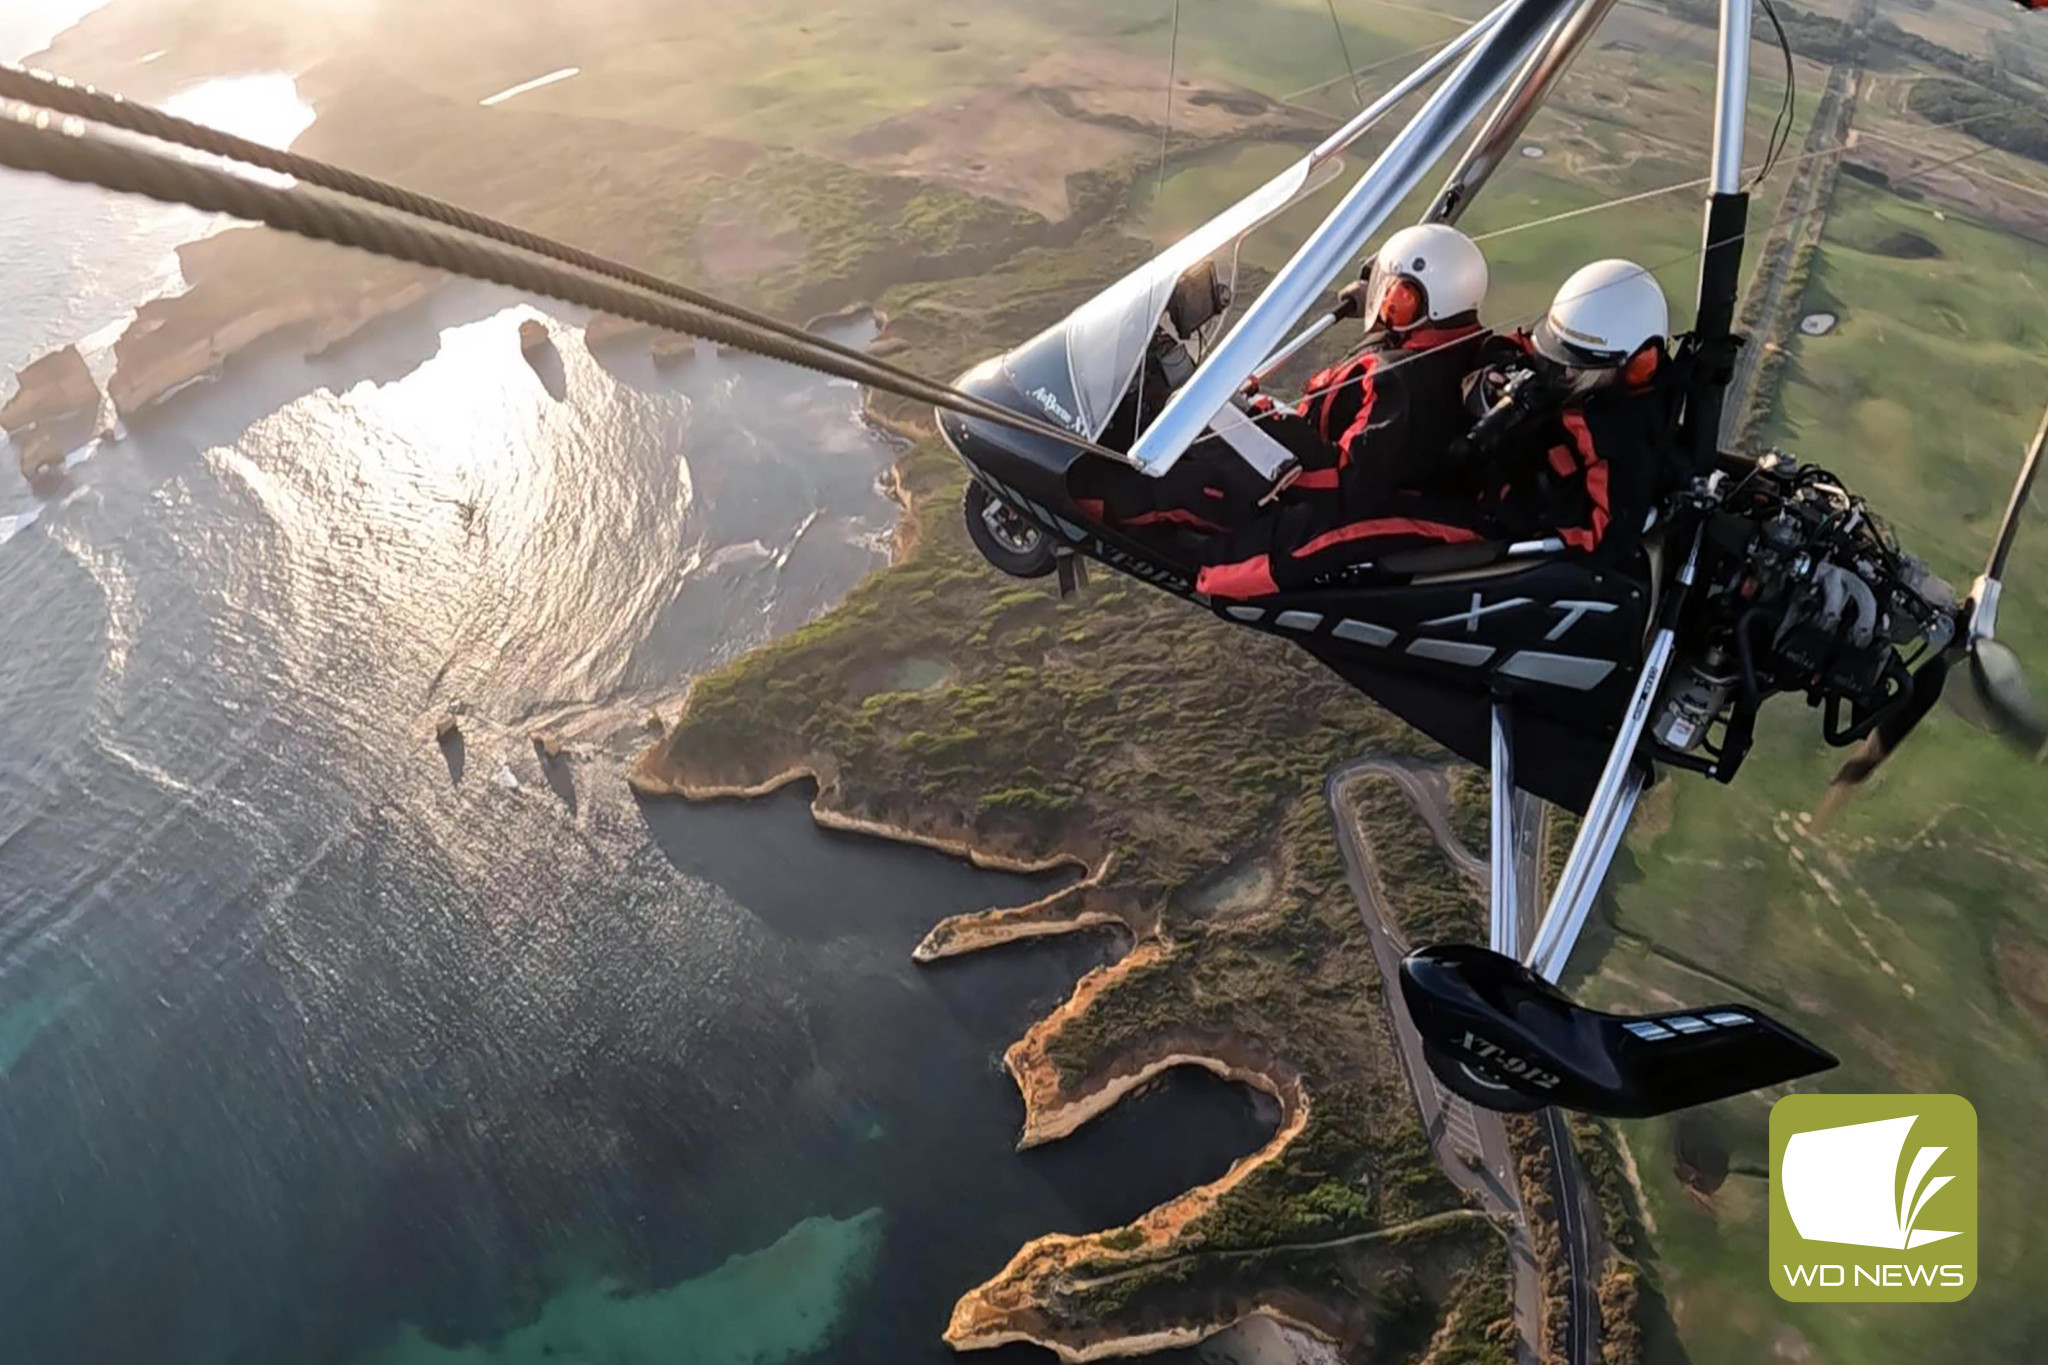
(1006, 537)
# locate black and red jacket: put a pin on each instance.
(1387, 416)
(1590, 471)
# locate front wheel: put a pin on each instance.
(1006, 537)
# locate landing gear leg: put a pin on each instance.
(1073, 572)
(1504, 866)
(1494, 1026)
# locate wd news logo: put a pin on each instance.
(1873, 1198)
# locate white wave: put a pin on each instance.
(74, 459)
(810, 519)
(143, 768)
(174, 390)
(744, 553)
(111, 575)
(16, 522)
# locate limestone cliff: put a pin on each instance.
(53, 411)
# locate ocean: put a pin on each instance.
(323, 1041)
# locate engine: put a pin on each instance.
(1801, 589)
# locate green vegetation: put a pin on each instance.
(1471, 808)
(1429, 900)
(1479, 1323)
(1632, 1306)
(1432, 1291)
(1910, 938)
(1987, 115)
(1536, 1182)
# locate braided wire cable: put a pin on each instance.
(65, 96)
(389, 221)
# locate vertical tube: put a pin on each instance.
(1614, 796)
(1585, 867)
(1731, 97)
(1563, 925)
(1340, 237)
(1532, 85)
(1503, 868)
(1727, 219)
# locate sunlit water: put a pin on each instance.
(75, 261)
(27, 26)
(322, 1041)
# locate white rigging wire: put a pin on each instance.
(1344, 48)
(1279, 410)
(1158, 191)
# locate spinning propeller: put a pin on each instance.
(2000, 698)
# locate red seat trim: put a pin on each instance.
(1388, 526)
(1246, 578)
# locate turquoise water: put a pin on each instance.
(763, 1307)
(323, 1043)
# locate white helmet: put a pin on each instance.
(1603, 315)
(1442, 261)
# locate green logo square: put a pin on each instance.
(1873, 1198)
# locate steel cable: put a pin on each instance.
(438, 234)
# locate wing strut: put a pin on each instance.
(1505, 46)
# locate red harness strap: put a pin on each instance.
(1254, 577)
(1374, 527)
(1586, 462)
(1173, 516)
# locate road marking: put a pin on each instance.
(536, 83)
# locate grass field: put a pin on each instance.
(800, 73)
(1598, 145)
(1910, 939)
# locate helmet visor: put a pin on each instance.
(1395, 299)
(1554, 343)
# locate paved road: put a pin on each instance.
(1454, 1126)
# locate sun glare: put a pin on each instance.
(264, 108)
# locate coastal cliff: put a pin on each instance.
(247, 286)
(55, 409)
(1122, 733)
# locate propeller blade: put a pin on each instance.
(1880, 743)
(2000, 699)
(2008, 703)
(1994, 568)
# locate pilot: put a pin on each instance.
(1378, 421)
(1386, 414)
(1382, 425)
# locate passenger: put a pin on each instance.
(1387, 415)
(1590, 465)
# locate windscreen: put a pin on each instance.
(1105, 338)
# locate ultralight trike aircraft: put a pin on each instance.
(1573, 679)
(1569, 678)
